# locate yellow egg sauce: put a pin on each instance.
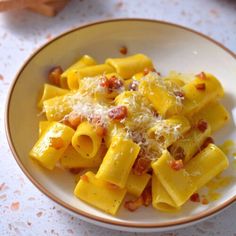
(228, 147)
(218, 182)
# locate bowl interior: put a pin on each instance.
(171, 48)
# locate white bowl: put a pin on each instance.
(171, 47)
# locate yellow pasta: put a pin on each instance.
(214, 113)
(50, 91)
(102, 87)
(206, 165)
(174, 82)
(67, 79)
(158, 93)
(86, 141)
(72, 159)
(99, 194)
(139, 109)
(76, 75)
(136, 183)
(177, 183)
(142, 133)
(180, 78)
(200, 92)
(127, 67)
(190, 144)
(118, 161)
(56, 108)
(52, 144)
(138, 76)
(169, 130)
(161, 200)
(114, 130)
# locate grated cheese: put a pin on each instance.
(141, 114)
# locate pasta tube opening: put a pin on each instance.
(85, 144)
(86, 141)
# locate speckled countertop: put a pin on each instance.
(23, 209)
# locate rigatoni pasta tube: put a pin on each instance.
(56, 108)
(190, 144)
(161, 200)
(43, 125)
(114, 92)
(118, 161)
(138, 76)
(168, 131)
(113, 129)
(72, 159)
(137, 183)
(50, 91)
(128, 66)
(214, 113)
(99, 193)
(155, 90)
(52, 144)
(138, 107)
(206, 165)
(70, 81)
(177, 183)
(86, 141)
(201, 91)
(90, 71)
(180, 78)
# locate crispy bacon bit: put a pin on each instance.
(84, 178)
(195, 197)
(176, 164)
(54, 75)
(147, 196)
(207, 141)
(204, 201)
(123, 50)
(112, 83)
(202, 76)
(179, 94)
(147, 70)
(201, 87)
(178, 153)
(133, 86)
(202, 125)
(134, 205)
(104, 82)
(115, 83)
(101, 130)
(118, 113)
(74, 171)
(56, 142)
(142, 164)
(65, 121)
(75, 119)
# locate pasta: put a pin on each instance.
(86, 141)
(178, 184)
(143, 134)
(116, 165)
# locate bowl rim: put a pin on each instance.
(83, 214)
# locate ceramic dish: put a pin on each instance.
(171, 47)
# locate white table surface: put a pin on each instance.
(24, 210)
